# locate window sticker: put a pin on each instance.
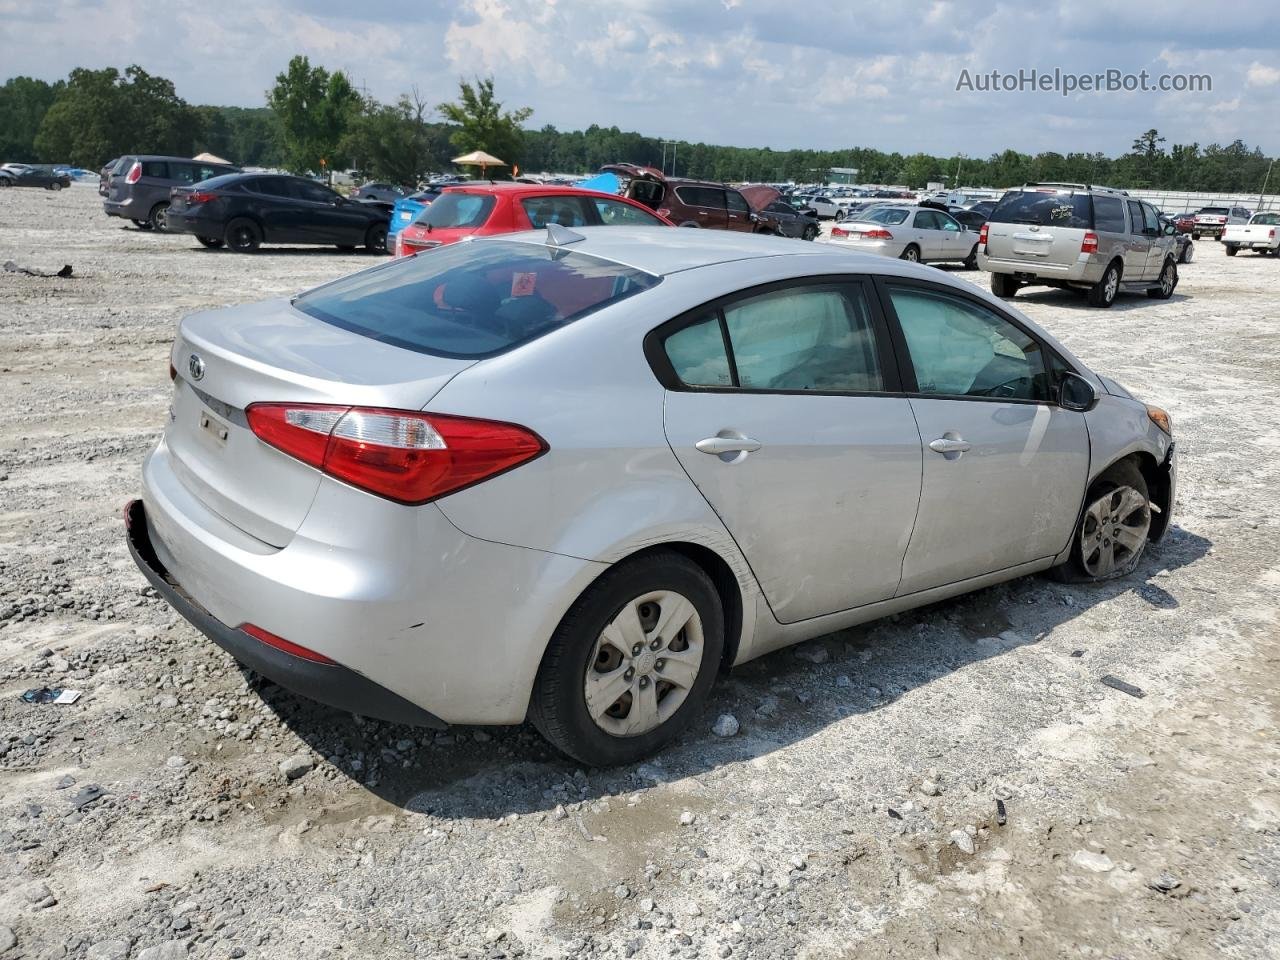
(522, 284)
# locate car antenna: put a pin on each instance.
(558, 236)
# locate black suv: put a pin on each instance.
(245, 210)
(138, 187)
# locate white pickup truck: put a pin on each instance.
(1261, 233)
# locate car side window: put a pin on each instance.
(184, 173)
(615, 211)
(925, 220)
(698, 355)
(564, 211)
(1135, 216)
(1108, 214)
(1150, 220)
(959, 348)
(311, 192)
(155, 168)
(271, 187)
(735, 202)
(947, 222)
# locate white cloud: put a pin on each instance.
(1263, 75)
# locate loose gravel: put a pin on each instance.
(953, 782)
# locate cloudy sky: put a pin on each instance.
(748, 72)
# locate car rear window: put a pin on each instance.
(887, 215)
(1045, 208)
(457, 210)
(1216, 211)
(473, 300)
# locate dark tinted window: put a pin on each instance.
(473, 299)
(458, 210)
(1150, 219)
(736, 202)
(271, 187)
(1215, 211)
(1048, 208)
(701, 196)
(183, 173)
(155, 168)
(1108, 214)
(961, 349)
(311, 192)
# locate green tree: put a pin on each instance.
(393, 141)
(482, 124)
(314, 110)
(23, 105)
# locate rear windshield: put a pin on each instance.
(1218, 211)
(1048, 209)
(457, 210)
(886, 215)
(474, 299)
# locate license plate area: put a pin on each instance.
(212, 428)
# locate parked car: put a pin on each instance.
(1183, 247)
(572, 478)
(983, 207)
(911, 232)
(1261, 233)
(483, 209)
(1089, 238)
(832, 208)
(1212, 221)
(781, 218)
(378, 190)
(245, 210)
(690, 203)
(406, 209)
(20, 175)
(104, 175)
(1185, 222)
(138, 188)
(971, 220)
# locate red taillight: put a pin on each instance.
(403, 455)
(839, 232)
(1089, 244)
(1271, 234)
(286, 646)
(201, 197)
(982, 236)
(135, 172)
(877, 234)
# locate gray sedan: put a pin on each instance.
(919, 234)
(573, 476)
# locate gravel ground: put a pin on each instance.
(954, 782)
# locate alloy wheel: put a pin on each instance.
(1166, 279)
(1114, 531)
(1112, 285)
(645, 663)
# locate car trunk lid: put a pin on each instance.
(228, 359)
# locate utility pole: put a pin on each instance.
(1264, 183)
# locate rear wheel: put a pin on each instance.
(911, 254)
(1003, 285)
(243, 236)
(1103, 293)
(4, 183)
(158, 217)
(632, 662)
(1112, 533)
(1231, 250)
(971, 261)
(213, 243)
(1168, 282)
(375, 241)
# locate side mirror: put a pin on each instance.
(1170, 230)
(1076, 393)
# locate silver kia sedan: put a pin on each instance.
(573, 476)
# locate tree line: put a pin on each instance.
(315, 121)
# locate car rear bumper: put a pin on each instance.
(453, 625)
(176, 222)
(1086, 269)
(121, 208)
(328, 683)
(1209, 229)
(884, 248)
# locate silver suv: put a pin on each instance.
(1077, 236)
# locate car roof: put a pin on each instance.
(666, 250)
(511, 188)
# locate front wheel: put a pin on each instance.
(1168, 282)
(1188, 252)
(811, 232)
(1112, 533)
(632, 662)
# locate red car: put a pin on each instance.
(1185, 222)
(482, 210)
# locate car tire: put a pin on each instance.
(1188, 252)
(141, 224)
(375, 240)
(157, 217)
(1168, 281)
(1195, 236)
(971, 261)
(1231, 250)
(242, 236)
(4, 183)
(911, 254)
(1003, 285)
(580, 649)
(1103, 293)
(213, 243)
(1120, 496)
(55, 186)
(810, 233)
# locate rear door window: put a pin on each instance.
(1046, 208)
(1108, 214)
(451, 210)
(473, 300)
(736, 202)
(271, 187)
(701, 197)
(155, 168)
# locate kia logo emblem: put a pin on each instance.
(195, 366)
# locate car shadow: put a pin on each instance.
(778, 699)
(1075, 300)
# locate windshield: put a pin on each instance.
(456, 210)
(1045, 208)
(475, 299)
(1266, 219)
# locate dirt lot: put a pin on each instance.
(855, 814)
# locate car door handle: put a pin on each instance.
(721, 445)
(950, 445)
